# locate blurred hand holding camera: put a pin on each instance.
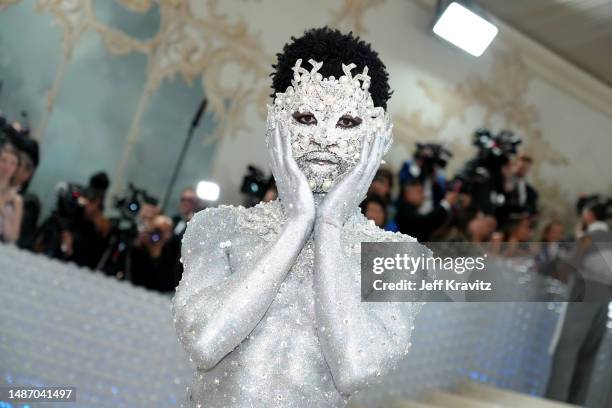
(156, 234)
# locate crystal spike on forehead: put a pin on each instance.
(302, 75)
(310, 90)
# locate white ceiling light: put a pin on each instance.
(465, 29)
(208, 191)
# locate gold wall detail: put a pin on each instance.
(199, 44)
(7, 3)
(190, 47)
(350, 16)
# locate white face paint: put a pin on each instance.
(328, 119)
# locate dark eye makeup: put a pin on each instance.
(305, 118)
(347, 122)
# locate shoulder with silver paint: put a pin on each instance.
(362, 229)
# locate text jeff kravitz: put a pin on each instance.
(435, 285)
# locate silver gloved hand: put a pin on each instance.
(293, 188)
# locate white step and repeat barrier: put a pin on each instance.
(65, 326)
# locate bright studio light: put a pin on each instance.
(465, 29)
(208, 191)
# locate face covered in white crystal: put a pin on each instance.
(327, 119)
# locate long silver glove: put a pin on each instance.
(221, 297)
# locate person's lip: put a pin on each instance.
(322, 158)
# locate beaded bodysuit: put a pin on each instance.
(280, 363)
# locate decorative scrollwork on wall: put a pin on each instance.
(185, 45)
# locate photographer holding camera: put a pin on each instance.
(189, 204)
(153, 258)
(486, 179)
(424, 205)
(88, 236)
(521, 196)
(410, 218)
(152, 261)
(77, 229)
(141, 248)
(429, 159)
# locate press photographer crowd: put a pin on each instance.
(489, 200)
(140, 244)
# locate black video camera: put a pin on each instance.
(129, 204)
(482, 176)
(254, 182)
(432, 156)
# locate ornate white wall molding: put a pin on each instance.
(186, 46)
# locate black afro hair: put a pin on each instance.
(333, 48)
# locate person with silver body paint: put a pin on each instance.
(269, 307)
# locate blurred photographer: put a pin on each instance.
(375, 209)
(89, 235)
(136, 210)
(517, 231)
(596, 242)
(553, 250)
(28, 161)
(140, 247)
(517, 228)
(153, 260)
(189, 204)
(521, 196)
(594, 212)
(271, 191)
(257, 187)
(585, 321)
(486, 178)
(382, 185)
(429, 159)
(467, 225)
(77, 229)
(412, 221)
(149, 209)
(11, 204)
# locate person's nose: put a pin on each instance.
(323, 138)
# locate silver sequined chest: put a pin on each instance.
(280, 363)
